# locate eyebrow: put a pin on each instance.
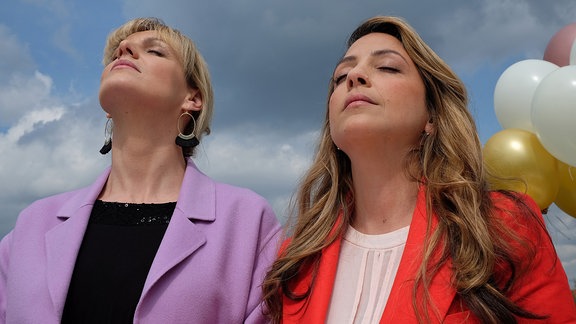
(152, 40)
(381, 52)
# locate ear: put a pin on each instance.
(429, 128)
(193, 101)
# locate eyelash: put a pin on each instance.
(337, 80)
(388, 69)
(155, 52)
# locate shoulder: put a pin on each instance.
(46, 212)
(541, 285)
(243, 205)
(65, 203)
(517, 218)
(232, 205)
(201, 185)
(513, 201)
(54, 202)
(239, 195)
(518, 221)
(518, 211)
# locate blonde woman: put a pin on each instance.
(153, 240)
(395, 221)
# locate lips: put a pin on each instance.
(124, 63)
(357, 100)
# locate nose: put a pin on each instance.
(126, 48)
(358, 77)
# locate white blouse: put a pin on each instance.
(366, 270)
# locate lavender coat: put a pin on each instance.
(208, 268)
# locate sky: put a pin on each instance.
(270, 62)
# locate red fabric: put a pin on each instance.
(543, 289)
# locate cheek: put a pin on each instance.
(172, 77)
(335, 100)
(104, 74)
(332, 110)
(335, 120)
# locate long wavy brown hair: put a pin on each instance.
(450, 163)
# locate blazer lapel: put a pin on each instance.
(181, 239)
(64, 240)
(314, 309)
(399, 308)
(62, 245)
(197, 201)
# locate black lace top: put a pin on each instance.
(119, 245)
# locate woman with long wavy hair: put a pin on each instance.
(395, 221)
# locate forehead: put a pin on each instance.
(155, 37)
(376, 41)
(147, 35)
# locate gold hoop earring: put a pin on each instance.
(187, 140)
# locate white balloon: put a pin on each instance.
(573, 54)
(554, 113)
(515, 89)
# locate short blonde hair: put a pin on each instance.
(195, 67)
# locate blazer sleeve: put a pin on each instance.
(4, 260)
(268, 247)
(543, 287)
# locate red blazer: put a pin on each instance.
(543, 290)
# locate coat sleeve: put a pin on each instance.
(268, 248)
(542, 287)
(4, 260)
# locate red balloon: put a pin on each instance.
(560, 45)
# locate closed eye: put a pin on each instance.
(337, 80)
(388, 69)
(155, 52)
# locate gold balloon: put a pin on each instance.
(566, 197)
(517, 161)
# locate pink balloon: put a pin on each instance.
(559, 47)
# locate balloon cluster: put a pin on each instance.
(535, 103)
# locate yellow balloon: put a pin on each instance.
(566, 197)
(517, 161)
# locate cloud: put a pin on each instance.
(22, 94)
(62, 40)
(562, 229)
(264, 161)
(15, 55)
(29, 121)
(270, 62)
(47, 141)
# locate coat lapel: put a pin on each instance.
(314, 309)
(399, 308)
(197, 201)
(64, 240)
(62, 245)
(181, 239)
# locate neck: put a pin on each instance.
(144, 174)
(385, 197)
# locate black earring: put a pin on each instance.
(187, 140)
(107, 137)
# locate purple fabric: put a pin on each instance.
(208, 269)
